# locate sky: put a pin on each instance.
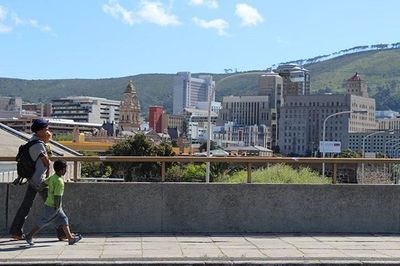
(56, 39)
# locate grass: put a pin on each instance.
(277, 174)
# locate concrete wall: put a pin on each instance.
(184, 207)
(3, 207)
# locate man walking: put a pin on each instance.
(35, 184)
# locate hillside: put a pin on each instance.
(380, 68)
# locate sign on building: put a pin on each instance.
(330, 146)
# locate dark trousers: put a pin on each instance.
(23, 211)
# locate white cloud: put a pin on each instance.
(8, 22)
(207, 3)
(149, 11)
(16, 19)
(248, 14)
(35, 24)
(218, 24)
(114, 9)
(4, 28)
(154, 12)
(3, 15)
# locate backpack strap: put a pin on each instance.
(29, 144)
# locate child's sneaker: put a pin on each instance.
(18, 237)
(74, 240)
(29, 241)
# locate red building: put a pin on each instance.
(155, 118)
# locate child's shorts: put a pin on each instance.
(53, 216)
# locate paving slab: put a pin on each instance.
(164, 249)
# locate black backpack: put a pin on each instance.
(25, 163)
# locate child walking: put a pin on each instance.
(53, 212)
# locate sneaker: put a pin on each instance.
(74, 240)
(18, 237)
(29, 241)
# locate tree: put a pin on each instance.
(139, 145)
(348, 153)
(95, 169)
(203, 146)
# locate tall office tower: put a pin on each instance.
(296, 80)
(271, 85)
(188, 91)
(129, 109)
(356, 86)
(155, 118)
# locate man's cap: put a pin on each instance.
(39, 124)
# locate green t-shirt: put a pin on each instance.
(56, 188)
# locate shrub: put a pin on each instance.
(277, 174)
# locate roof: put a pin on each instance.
(355, 77)
(11, 139)
(248, 148)
(199, 112)
(216, 152)
(130, 88)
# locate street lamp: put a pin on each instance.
(392, 151)
(323, 131)
(384, 147)
(211, 96)
(395, 168)
(363, 151)
(384, 151)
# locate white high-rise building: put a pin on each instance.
(86, 109)
(188, 91)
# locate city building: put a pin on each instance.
(39, 109)
(188, 91)
(246, 110)
(86, 109)
(296, 79)
(215, 106)
(377, 141)
(10, 107)
(389, 123)
(129, 109)
(241, 135)
(271, 85)
(356, 86)
(302, 117)
(155, 118)
(57, 126)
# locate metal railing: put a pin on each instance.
(249, 162)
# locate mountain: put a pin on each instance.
(380, 68)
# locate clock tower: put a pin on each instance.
(129, 110)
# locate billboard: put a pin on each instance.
(330, 146)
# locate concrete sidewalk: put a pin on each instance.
(205, 249)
